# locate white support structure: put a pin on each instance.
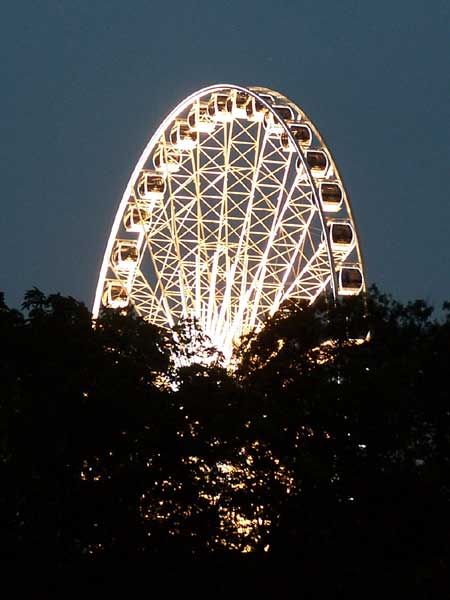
(235, 226)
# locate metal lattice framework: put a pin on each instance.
(235, 205)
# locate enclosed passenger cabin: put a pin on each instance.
(331, 196)
(115, 295)
(199, 119)
(317, 161)
(302, 134)
(182, 137)
(350, 281)
(342, 236)
(256, 111)
(151, 186)
(218, 108)
(273, 122)
(284, 112)
(125, 254)
(237, 104)
(166, 159)
(136, 219)
(267, 98)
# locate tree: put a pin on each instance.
(326, 449)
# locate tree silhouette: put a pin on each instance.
(325, 450)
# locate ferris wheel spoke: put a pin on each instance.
(146, 301)
(259, 277)
(250, 187)
(222, 224)
(179, 277)
(314, 275)
(280, 294)
(241, 253)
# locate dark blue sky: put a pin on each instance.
(85, 82)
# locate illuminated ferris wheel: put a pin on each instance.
(235, 205)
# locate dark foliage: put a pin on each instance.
(320, 465)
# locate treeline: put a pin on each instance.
(318, 465)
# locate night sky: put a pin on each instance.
(86, 82)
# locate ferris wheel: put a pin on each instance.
(235, 205)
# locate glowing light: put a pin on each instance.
(241, 528)
(230, 224)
